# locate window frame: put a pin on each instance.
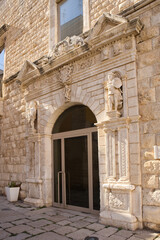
(54, 21)
(2, 48)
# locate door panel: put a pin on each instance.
(57, 171)
(95, 169)
(76, 169)
(76, 172)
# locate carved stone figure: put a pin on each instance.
(32, 114)
(67, 89)
(65, 80)
(113, 92)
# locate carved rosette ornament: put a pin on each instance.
(66, 81)
(113, 94)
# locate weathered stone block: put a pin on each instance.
(152, 167)
(144, 46)
(151, 197)
(150, 181)
(147, 140)
(151, 214)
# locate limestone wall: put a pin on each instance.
(98, 7)
(148, 50)
(28, 37)
(13, 149)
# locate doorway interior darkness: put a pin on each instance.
(75, 157)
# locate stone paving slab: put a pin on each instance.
(20, 221)
(19, 229)
(80, 234)
(96, 226)
(4, 234)
(39, 223)
(49, 236)
(51, 227)
(20, 236)
(65, 230)
(79, 224)
(124, 233)
(6, 225)
(106, 232)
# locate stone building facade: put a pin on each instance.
(109, 76)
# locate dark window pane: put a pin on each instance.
(76, 117)
(96, 190)
(76, 168)
(57, 169)
(71, 18)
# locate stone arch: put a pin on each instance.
(46, 147)
(79, 96)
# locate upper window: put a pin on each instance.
(2, 60)
(70, 18)
(1, 70)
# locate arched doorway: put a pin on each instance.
(75, 160)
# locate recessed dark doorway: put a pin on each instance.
(75, 158)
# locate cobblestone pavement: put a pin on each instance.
(20, 221)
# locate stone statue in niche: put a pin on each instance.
(32, 115)
(67, 90)
(113, 92)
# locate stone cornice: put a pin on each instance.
(118, 186)
(101, 66)
(138, 6)
(91, 45)
(116, 33)
(117, 123)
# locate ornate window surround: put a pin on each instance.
(53, 8)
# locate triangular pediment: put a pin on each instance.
(3, 29)
(106, 22)
(27, 68)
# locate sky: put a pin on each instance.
(2, 60)
(68, 13)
